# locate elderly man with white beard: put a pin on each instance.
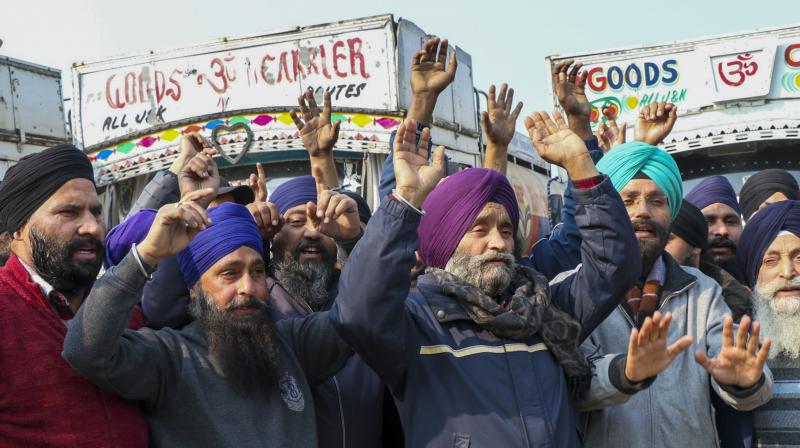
(769, 257)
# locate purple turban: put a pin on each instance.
(294, 192)
(452, 207)
(133, 230)
(231, 227)
(714, 190)
(761, 231)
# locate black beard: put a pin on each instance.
(651, 248)
(243, 345)
(309, 281)
(53, 261)
(728, 264)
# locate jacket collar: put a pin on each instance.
(444, 308)
(676, 278)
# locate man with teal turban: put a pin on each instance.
(650, 185)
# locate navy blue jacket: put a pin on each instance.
(456, 384)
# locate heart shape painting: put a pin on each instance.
(247, 144)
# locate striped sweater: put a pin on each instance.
(777, 423)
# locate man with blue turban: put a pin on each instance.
(650, 185)
(716, 199)
(232, 377)
(769, 255)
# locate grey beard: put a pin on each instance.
(782, 327)
(309, 281)
(243, 345)
(492, 280)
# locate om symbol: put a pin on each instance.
(736, 72)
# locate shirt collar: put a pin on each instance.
(46, 288)
(659, 271)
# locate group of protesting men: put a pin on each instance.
(226, 316)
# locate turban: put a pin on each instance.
(764, 184)
(294, 192)
(691, 226)
(231, 227)
(364, 213)
(242, 194)
(629, 159)
(761, 231)
(713, 190)
(452, 207)
(133, 230)
(31, 182)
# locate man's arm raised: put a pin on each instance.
(370, 307)
(499, 123)
(132, 364)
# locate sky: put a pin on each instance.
(508, 40)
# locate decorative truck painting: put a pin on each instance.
(738, 97)
(356, 67)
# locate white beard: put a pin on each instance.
(779, 318)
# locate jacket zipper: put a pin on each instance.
(516, 398)
(341, 411)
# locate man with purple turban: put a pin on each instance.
(484, 352)
(715, 198)
(769, 257)
(233, 377)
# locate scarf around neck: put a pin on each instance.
(529, 312)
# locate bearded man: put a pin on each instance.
(769, 256)
(49, 207)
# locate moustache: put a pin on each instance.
(247, 302)
(723, 241)
(86, 243)
(493, 256)
(648, 225)
(309, 245)
(769, 290)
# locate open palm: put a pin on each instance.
(415, 178)
(428, 72)
(553, 139)
(741, 362)
(318, 134)
(655, 122)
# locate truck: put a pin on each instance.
(738, 98)
(129, 112)
(31, 110)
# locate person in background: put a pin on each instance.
(769, 256)
(765, 188)
(50, 209)
(715, 198)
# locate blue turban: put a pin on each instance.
(714, 190)
(231, 227)
(629, 159)
(761, 230)
(294, 192)
(133, 230)
(454, 204)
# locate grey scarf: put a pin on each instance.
(528, 313)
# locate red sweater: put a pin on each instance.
(43, 402)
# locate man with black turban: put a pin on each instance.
(769, 255)
(49, 207)
(765, 188)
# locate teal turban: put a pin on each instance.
(626, 161)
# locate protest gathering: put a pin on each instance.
(334, 273)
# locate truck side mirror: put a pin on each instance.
(555, 202)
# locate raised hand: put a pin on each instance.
(415, 178)
(334, 214)
(319, 135)
(740, 363)
(558, 144)
(267, 218)
(191, 144)
(258, 183)
(499, 121)
(655, 122)
(610, 135)
(428, 73)
(569, 85)
(648, 354)
(175, 225)
(201, 172)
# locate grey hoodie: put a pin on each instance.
(675, 410)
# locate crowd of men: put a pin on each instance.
(224, 316)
